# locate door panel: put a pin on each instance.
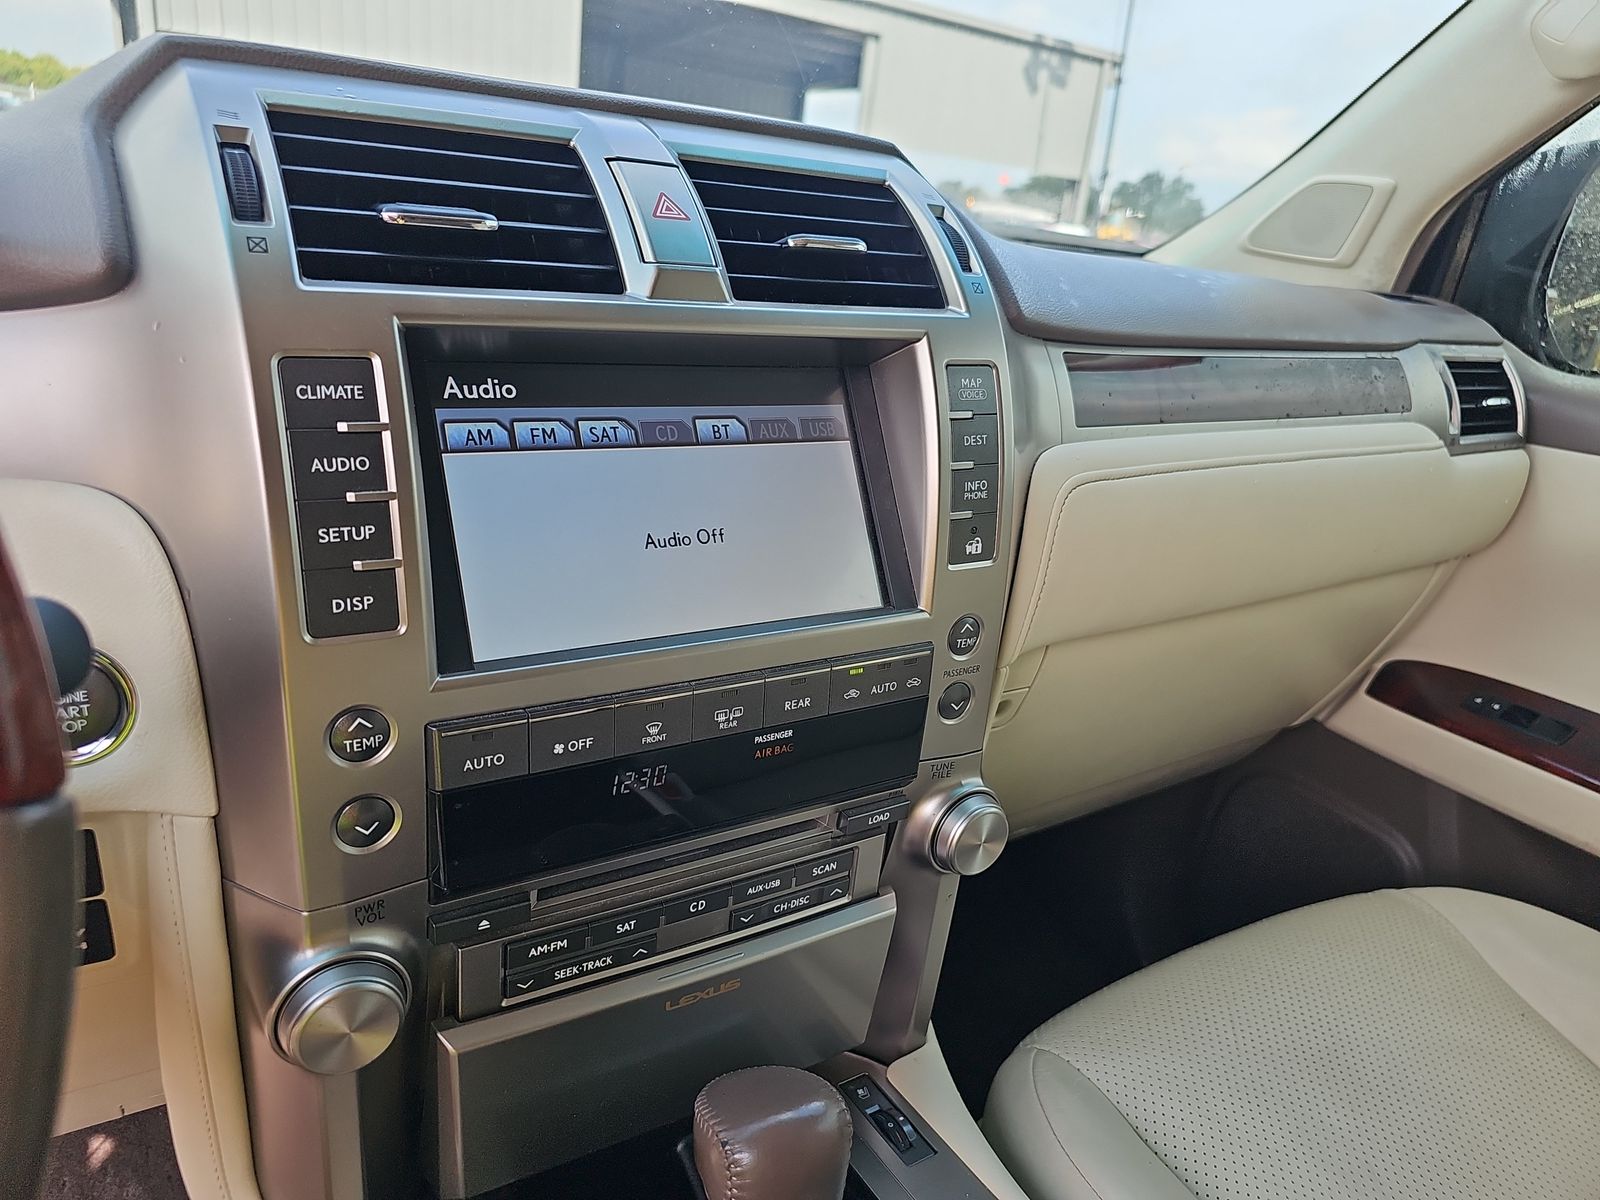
(1525, 611)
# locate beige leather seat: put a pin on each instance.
(1433, 1042)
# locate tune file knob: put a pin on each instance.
(971, 833)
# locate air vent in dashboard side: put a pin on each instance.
(385, 202)
(792, 238)
(1485, 396)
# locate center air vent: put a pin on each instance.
(382, 202)
(1484, 396)
(788, 238)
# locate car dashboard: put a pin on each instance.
(578, 577)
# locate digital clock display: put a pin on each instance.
(640, 779)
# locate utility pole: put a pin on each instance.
(1116, 103)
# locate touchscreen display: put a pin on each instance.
(591, 505)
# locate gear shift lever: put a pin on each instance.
(771, 1133)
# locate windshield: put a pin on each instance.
(1114, 124)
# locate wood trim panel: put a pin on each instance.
(1441, 696)
(31, 766)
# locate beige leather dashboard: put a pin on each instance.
(1180, 597)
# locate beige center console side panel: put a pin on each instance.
(1180, 597)
(155, 1023)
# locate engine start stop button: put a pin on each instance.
(96, 717)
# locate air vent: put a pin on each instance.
(382, 202)
(789, 238)
(1484, 396)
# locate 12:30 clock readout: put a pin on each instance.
(642, 780)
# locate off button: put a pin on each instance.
(359, 735)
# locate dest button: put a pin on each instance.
(975, 440)
(654, 724)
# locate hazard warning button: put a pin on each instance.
(665, 215)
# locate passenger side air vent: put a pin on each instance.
(1485, 396)
(789, 238)
(383, 202)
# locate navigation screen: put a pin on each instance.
(592, 505)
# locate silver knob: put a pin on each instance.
(342, 1016)
(970, 835)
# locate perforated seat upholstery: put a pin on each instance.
(1433, 1042)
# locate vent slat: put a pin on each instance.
(339, 172)
(752, 210)
(1485, 397)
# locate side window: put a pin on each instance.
(1532, 268)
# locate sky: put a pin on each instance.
(1219, 90)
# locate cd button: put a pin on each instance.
(654, 724)
(877, 816)
(481, 754)
(723, 710)
(797, 697)
(696, 906)
(572, 739)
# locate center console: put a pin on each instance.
(597, 682)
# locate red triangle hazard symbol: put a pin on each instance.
(667, 209)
